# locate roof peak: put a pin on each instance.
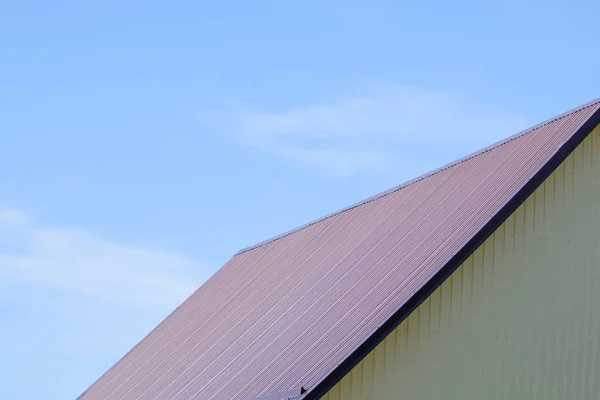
(423, 176)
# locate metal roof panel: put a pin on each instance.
(285, 313)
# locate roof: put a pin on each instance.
(297, 312)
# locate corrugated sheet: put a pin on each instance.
(284, 314)
(520, 319)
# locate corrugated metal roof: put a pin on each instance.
(284, 314)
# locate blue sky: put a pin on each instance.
(144, 143)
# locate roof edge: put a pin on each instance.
(419, 296)
(421, 177)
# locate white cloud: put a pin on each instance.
(77, 302)
(76, 261)
(370, 131)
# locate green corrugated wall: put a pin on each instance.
(520, 319)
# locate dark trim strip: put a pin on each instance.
(456, 261)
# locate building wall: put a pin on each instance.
(520, 319)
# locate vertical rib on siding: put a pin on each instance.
(520, 319)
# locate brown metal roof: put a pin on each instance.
(286, 313)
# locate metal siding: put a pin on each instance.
(284, 314)
(520, 319)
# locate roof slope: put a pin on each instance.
(292, 312)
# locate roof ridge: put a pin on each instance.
(419, 178)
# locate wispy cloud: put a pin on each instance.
(369, 131)
(76, 261)
(77, 302)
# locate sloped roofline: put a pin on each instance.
(419, 178)
(330, 379)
